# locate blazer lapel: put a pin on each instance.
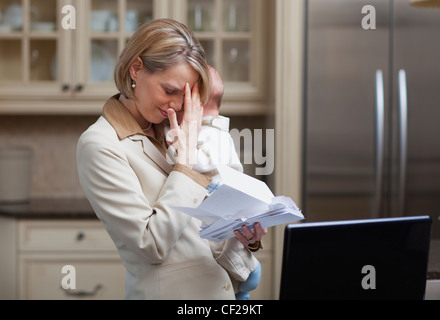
(151, 151)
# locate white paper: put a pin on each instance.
(241, 200)
(244, 183)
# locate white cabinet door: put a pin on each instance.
(91, 277)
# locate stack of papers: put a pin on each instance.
(241, 200)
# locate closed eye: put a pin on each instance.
(171, 90)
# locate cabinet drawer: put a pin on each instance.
(95, 277)
(66, 235)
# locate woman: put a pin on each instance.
(123, 170)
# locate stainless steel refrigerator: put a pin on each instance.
(372, 110)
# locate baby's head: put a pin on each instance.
(212, 106)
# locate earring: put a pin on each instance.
(133, 85)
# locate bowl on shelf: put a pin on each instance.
(43, 26)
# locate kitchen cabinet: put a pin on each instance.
(40, 238)
(36, 252)
(45, 247)
(58, 56)
(47, 64)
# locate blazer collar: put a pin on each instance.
(127, 127)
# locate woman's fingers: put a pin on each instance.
(240, 237)
(248, 233)
(259, 231)
(246, 236)
(195, 95)
(188, 99)
(192, 105)
(186, 133)
(172, 134)
(197, 107)
(172, 116)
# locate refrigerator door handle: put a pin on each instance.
(403, 140)
(380, 143)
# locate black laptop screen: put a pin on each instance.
(359, 259)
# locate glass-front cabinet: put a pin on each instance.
(106, 27)
(58, 56)
(232, 33)
(54, 49)
(31, 45)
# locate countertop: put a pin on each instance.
(49, 209)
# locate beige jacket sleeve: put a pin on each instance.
(237, 260)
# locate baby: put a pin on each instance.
(216, 147)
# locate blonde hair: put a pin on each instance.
(160, 44)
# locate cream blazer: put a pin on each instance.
(133, 189)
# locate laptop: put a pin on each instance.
(357, 259)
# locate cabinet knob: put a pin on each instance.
(65, 87)
(79, 88)
(80, 236)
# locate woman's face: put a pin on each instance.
(156, 92)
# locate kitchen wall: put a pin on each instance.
(53, 141)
